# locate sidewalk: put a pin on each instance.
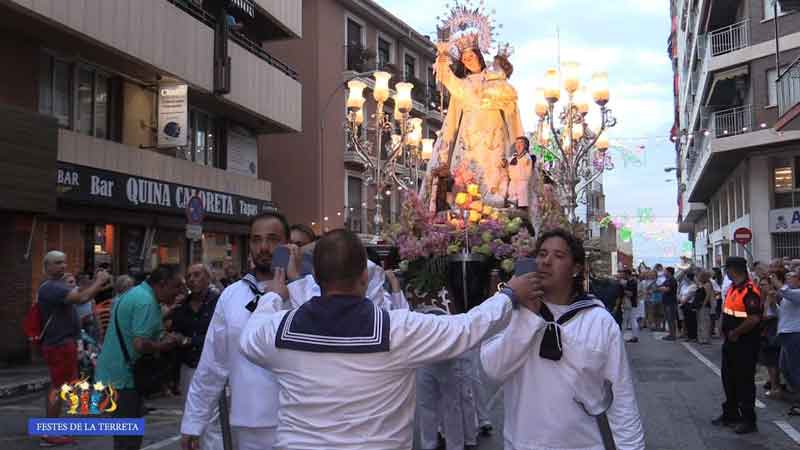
(24, 379)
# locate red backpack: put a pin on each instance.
(32, 324)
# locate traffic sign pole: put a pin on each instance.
(744, 236)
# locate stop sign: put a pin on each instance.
(743, 236)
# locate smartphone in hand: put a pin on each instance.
(524, 265)
(280, 258)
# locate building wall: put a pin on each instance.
(283, 156)
(19, 87)
(760, 201)
(764, 30)
(762, 111)
(15, 271)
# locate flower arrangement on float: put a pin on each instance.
(426, 240)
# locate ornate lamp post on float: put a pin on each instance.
(407, 145)
(575, 165)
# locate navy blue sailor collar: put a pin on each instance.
(550, 347)
(335, 324)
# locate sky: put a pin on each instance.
(626, 38)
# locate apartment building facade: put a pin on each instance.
(736, 128)
(121, 117)
(344, 40)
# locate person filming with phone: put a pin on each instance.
(254, 391)
(574, 363)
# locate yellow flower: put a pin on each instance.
(476, 206)
(473, 189)
(461, 199)
(474, 216)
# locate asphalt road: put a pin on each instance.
(678, 395)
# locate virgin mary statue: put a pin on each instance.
(480, 127)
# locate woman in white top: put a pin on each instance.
(577, 344)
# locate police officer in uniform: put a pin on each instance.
(740, 327)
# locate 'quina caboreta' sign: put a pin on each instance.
(94, 186)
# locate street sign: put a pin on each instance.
(743, 236)
(195, 213)
(194, 232)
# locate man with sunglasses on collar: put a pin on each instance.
(254, 391)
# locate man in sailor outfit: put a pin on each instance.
(254, 391)
(575, 343)
(345, 367)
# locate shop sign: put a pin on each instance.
(173, 112)
(194, 232)
(101, 187)
(786, 220)
(242, 151)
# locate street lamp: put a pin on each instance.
(568, 134)
(406, 144)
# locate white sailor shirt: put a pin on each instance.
(540, 413)
(254, 391)
(338, 398)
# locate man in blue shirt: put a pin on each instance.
(138, 315)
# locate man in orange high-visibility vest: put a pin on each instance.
(740, 326)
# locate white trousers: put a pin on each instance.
(480, 387)
(439, 402)
(246, 438)
(211, 439)
(631, 314)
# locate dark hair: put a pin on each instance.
(717, 275)
(670, 271)
(690, 275)
(780, 275)
(460, 70)
(657, 266)
(162, 273)
(339, 259)
(528, 226)
(305, 229)
(504, 64)
(527, 142)
(273, 215)
(576, 250)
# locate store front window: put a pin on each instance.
(202, 148)
(168, 248)
(219, 248)
(104, 237)
(786, 245)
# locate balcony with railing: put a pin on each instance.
(789, 88)
(733, 121)
(729, 39)
(716, 125)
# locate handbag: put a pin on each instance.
(147, 369)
